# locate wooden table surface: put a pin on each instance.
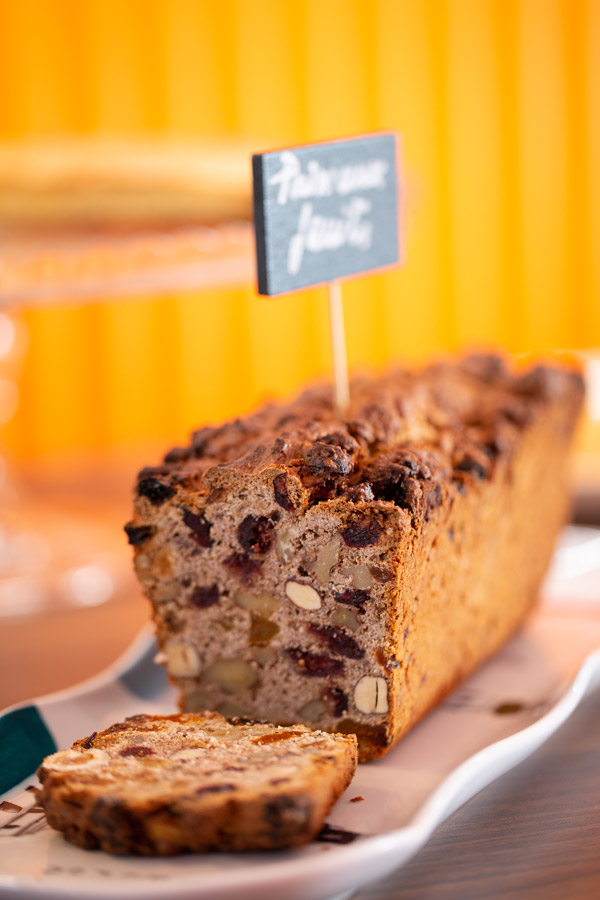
(532, 835)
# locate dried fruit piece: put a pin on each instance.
(303, 595)
(263, 603)
(361, 577)
(182, 660)
(346, 618)
(381, 575)
(138, 534)
(328, 459)
(163, 564)
(407, 494)
(285, 546)
(405, 478)
(205, 596)
(255, 533)
(362, 532)
(338, 641)
(243, 566)
(353, 597)
(261, 631)
(199, 526)
(327, 557)
(234, 675)
(276, 737)
(89, 741)
(156, 491)
(321, 487)
(341, 439)
(137, 750)
(282, 496)
(370, 695)
(338, 699)
(316, 664)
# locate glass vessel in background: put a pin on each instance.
(51, 558)
(70, 233)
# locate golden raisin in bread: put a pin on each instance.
(348, 572)
(159, 785)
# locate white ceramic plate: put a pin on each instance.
(489, 724)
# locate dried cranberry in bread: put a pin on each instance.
(159, 785)
(347, 573)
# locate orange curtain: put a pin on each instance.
(498, 106)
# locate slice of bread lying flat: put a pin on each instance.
(160, 785)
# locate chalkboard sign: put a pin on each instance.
(325, 211)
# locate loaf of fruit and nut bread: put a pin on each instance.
(348, 572)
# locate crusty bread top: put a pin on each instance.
(405, 434)
(146, 758)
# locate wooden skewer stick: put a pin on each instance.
(338, 348)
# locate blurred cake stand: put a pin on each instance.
(50, 558)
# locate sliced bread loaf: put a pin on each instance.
(160, 785)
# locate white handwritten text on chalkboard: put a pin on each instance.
(325, 211)
(319, 181)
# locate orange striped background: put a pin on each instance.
(498, 104)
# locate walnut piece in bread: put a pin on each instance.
(348, 573)
(161, 785)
